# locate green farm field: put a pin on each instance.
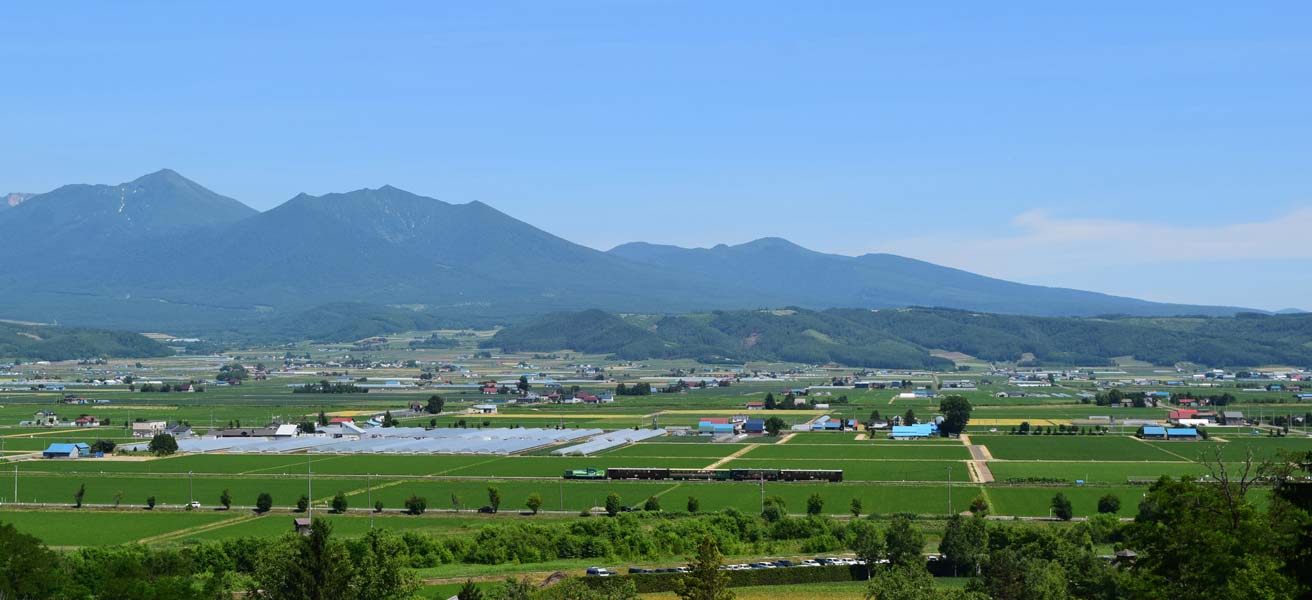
(1071, 447)
(69, 528)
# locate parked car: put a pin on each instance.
(487, 509)
(639, 570)
(783, 563)
(808, 563)
(193, 505)
(599, 572)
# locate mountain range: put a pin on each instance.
(162, 251)
(917, 338)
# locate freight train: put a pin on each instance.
(653, 473)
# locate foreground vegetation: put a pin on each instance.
(1191, 539)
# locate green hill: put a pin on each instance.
(903, 338)
(42, 342)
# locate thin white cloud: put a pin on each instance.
(1043, 245)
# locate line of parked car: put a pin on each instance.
(776, 564)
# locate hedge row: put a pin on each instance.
(649, 583)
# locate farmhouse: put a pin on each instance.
(484, 409)
(145, 429)
(87, 421)
(77, 450)
(180, 431)
(754, 426)
(1232, 417)
(45, 418)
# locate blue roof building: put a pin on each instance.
(1154, 431)
(77, 450)
(1182, 432)
(907, 432)
(754, 426)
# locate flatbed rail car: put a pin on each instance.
(653, 473)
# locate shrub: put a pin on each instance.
(1109, 504)
(1061, 507)
(415, 505)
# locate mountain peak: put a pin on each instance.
(165, 176)
(773, 243)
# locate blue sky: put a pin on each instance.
(1161, 150)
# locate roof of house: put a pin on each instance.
(1232, 414)
(1182, 431)
(1154, 430)
(485, 406)
(919, 430)
(63, 448)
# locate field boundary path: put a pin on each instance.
(978, 466)
(737, 453)
(186, 531)
(1145, 442)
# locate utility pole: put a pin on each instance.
(949, 491)
(191, 495)
(309, 486)
(369, 485)
(562, 494)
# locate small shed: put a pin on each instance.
(302, 525)
(485, 409)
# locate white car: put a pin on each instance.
(599, 572)
(194, 504)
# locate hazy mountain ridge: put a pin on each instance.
(163, 251)
(909, 337)
(818, 280)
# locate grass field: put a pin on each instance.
(1093, 472)
(67, 528)
(903, 451)
(864, 470)
(1071, 447)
